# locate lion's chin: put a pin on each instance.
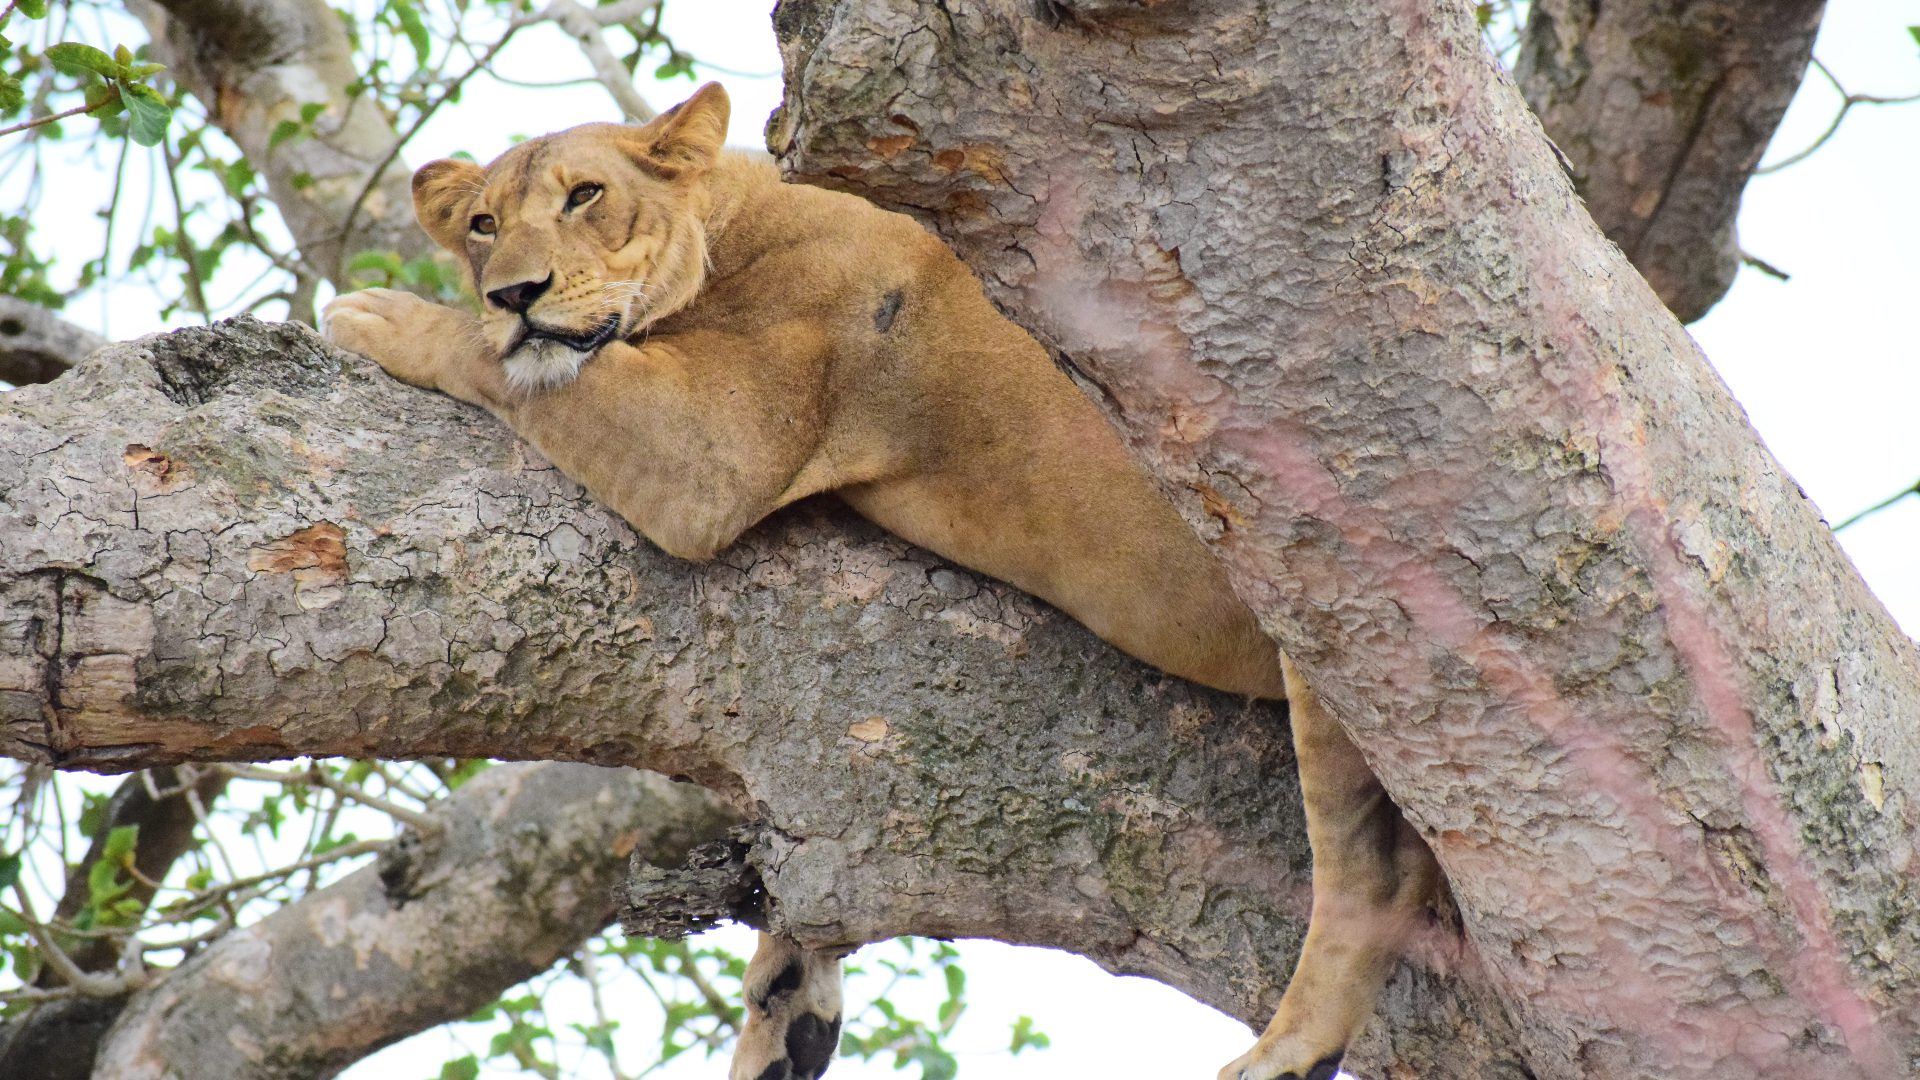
(543, 365)
(546, 358)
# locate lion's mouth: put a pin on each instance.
(585, 341)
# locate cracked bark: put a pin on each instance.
(1663, 108)
(239, 543)
(1324, 270)
(516, 877)
(1326, 273)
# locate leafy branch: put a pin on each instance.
(114, 84)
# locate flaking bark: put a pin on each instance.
(1323, 268)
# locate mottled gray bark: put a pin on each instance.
(236, 542)
(521, 869)
(255, 64)
(1663, 108)
(36, 345)
(1326, 272)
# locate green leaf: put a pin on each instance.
(466, 1068)
(149, 112)
(141, 71)
(414, 28)
(199, 879)
(77, 58)
(678, 63)
(33, 9)
(11, 94)
(11, 923)
(104, 885)
(935, 1063)
(282, 131)
(122, 56)
(1914, 30)
(1024, 1036)
(120, 845)
(93, 814)
(9, 870)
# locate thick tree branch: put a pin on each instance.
(235, 542)
(1327, 274)
(520, 868)
(36, 345)
(1663, 108)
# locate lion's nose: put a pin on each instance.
(518, 298)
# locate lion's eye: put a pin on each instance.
(581, 195)
(483, 224)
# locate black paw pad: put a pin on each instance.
(811, 1042)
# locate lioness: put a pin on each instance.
(699, 345)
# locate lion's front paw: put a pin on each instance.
(397, 330)
(1267, 1061)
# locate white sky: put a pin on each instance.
(1825, 365)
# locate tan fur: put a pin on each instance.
(770, 342)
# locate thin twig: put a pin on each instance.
(426, 113)
(1881, 505)
(48, 119)
(196, 295)
(1847, 102)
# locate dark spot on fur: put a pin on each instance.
(779, 1070)
(889, 307)
(784, 983)
(810, 1044)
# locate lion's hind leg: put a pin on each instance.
(793, 1013)
(1372, 879)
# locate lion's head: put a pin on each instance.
(580, 237)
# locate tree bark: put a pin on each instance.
(237, 542)
(517, 875)
(1325, 271)
(1323, 268)
(1663, 108)
(36, 345)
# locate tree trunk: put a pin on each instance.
(1322, 267)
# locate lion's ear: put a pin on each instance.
(684, 140)
(442, 192)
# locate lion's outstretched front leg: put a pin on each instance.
(793, 1013)
(419, 342)
(1372, 879)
